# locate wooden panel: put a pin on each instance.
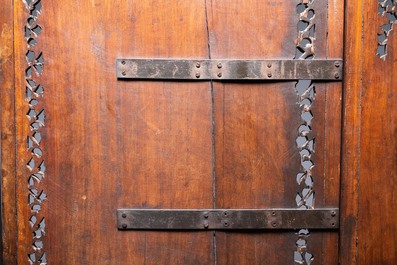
(333, 117)
(256, 127)
(370, 167)
(377, 210)
(113, 144)
(8, 207)
(351, 131)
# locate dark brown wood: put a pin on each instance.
(333, 109)
(354, 50)
(368, 227)
(8, 213)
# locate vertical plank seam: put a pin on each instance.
(359, 129)
(212, 133)
(15, 132)
(325, 129)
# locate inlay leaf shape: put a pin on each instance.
(387, 9)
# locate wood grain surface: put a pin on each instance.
(256, 126)
(113, 144)
(7, 99)
(368, 231)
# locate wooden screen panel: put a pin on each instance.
(256, 127)
(368, 227)
(7, 96)
(111, 144)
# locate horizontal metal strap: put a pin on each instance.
(223, 70)
(227, 219)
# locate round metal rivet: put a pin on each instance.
(337, 76)
(124, 215)
(197, 75)
(123, 73)
(206, 215)
(333, 224)
(269, 65)
(219, 74)
(226, 224)
(337, 64)
(206, 225)
(219, 65)
(124, 226)
(269, 75)
(197, 65)
(333, 213)
(273, 213)
(122, 62)
(225, 213)
(274, 224)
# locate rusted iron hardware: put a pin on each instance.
(226, 219)
(223, 70)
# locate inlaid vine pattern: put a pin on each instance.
(388, 9)
(305, 141)
(34, 92)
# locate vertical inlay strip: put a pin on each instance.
(386, 8)
(36, 117)
(305, 90)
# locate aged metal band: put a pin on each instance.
(234, 219)
(229, 69)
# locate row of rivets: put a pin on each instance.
(225, 222)
(124, 215)
(219, 66)
(269, 65)
(337, 65)
(206, 215)
(198, 75)
(123, 63)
